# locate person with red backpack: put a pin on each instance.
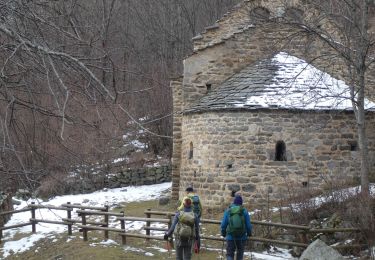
(236, 228)
(185, 229)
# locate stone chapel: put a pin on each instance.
(256, 112)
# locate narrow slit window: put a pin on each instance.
(208, 87)
(353, 146)
(191, 150)
(280, 151)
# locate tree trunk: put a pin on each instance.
(362, 139)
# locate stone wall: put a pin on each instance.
(222, 50)
(237, 41)
(140, 176)
(236, 151)
(176, 86)
(240, 17)
(116, 177)
(213, 65)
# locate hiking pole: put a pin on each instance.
(249, 247)
(222, 250)
(196, 249)
(200, 232)
(168, 248)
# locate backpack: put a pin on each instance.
(236, 226)
(185, 225)
(196, 206)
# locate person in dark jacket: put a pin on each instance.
(183, 220)
(236, 243)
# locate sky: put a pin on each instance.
(110, 197)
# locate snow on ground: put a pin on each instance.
(318, 201)
(110, 197)
(340, 195)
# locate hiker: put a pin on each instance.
(236, 228)
(185, 228)
(197, 206)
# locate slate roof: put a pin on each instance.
(280, 82)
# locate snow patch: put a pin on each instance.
(98, 198)
(299, 85)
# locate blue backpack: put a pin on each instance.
(196, 206)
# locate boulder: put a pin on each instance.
(163, 201)
(318, 250)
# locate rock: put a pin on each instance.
(16, 202)
(163, 201)
(327, 238)
(258, 246)
(314, 224)
(296, 251)
(23, 194)
(333, 222)
(318, 250)
(323, 214)
(286, 237)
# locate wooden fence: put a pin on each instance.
(84, 225)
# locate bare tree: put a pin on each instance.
(73, 73)
(339, 39)
(48, 73)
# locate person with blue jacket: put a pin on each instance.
(236, 228)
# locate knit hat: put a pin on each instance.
(187, 202)
(189, 189)
(237, 200)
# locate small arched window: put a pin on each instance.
(208, 88)
(353, 146)
(280, 151)
(191, 150)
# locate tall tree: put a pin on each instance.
(345, 33)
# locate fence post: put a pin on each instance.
(84, 230)
(302, 235)
(106, 220)
(148, 215)
(122, 221)
(69, 216)
(1, 231)
(1, 225)
(33, 217)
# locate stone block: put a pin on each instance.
(249, 187)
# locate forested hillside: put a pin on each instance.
(76, 76)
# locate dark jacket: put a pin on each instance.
(225, 222)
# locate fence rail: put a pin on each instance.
(84, 225)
